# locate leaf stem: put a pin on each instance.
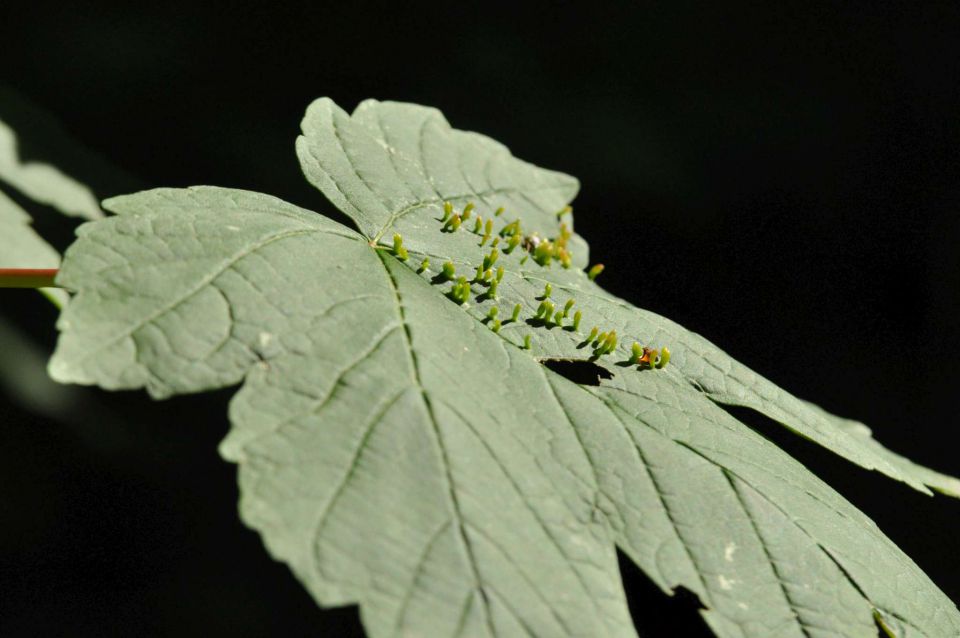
(27, 277)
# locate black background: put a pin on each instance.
(779, 177)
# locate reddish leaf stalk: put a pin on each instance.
(27, 277)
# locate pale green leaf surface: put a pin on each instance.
(44, 183)
(391, 166)
(397, 453)
(386, 480)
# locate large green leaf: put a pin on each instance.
(400, 162)
(398, 453)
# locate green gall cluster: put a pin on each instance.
(544, 252)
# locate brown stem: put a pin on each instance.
(27, 277)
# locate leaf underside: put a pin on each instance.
(398, 453)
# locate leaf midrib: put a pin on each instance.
(444, 456)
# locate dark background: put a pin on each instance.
(779, 177)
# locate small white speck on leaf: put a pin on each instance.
(725, 583)
(728, 551)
